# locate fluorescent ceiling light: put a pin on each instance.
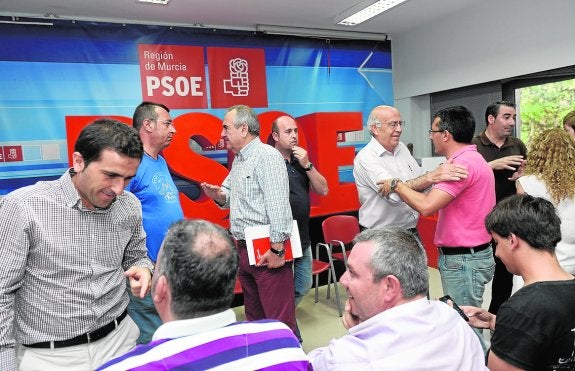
(320, 33)
(369, 12)
(161, 2)
(29, 23)
(17, 20)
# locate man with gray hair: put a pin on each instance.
(257, 193)
(192, 289)
(391, 323)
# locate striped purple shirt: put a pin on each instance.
(210, 343)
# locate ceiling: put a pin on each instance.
(238, 14)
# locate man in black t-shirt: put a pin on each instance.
(535, 328)
(302, 176)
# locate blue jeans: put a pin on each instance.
(302, 274)
(464, 276)
(144, 314)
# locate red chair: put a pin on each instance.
(238, 288)
(319, 266)
(340, 230)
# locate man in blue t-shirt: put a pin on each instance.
(154, 187)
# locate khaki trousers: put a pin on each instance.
(81, 357)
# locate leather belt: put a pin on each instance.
(412, 230)
(88, 337)
(464, 250)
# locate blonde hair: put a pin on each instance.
(569, 119)
(552, 159)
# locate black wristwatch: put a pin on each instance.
(393, 184)
(279, 253)
(309, 167)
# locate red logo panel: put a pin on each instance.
(237, 76)
(173, 75)
(13, 154)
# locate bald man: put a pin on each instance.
(303, 176)
(384, 157)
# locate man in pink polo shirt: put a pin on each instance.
(465, 256)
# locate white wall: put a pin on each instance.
(416, 112)
(492, 40)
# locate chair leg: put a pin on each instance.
(328, 283)
(332, 271)
(316, 287)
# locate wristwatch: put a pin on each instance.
(309, 167)
(393, 184)
(279, 253)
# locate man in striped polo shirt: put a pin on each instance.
(192, 289)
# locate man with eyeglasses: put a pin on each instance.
(465, 256)
(154, 187)
(506, 155)
(385, 157)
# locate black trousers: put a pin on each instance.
(501, 286)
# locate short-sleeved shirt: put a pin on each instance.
(299, 198)
(512, 146)
(373, 163)
(462, 222)
(535, 328)
(154, 187)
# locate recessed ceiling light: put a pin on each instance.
(369, 12)
(161, 2)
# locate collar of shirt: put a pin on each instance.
(69, 192)
(72, 197)
(391, 316)
(248, 149)
(380, 150)
(467, 148)
(486, 142)
(186, 327)
(293, 162)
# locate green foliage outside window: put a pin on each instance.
(544, 106)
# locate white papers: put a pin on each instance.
(258, 243)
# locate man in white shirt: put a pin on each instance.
(386, 157)
(391, 323)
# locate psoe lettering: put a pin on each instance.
(181, 85)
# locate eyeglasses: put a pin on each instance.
(435, 131)
(391, 124)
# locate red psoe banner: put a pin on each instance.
(318, 134)
(321, 132)
(206, 130)
(173, 75)
(237, 76)
(75, 124)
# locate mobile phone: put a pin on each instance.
(455, 306)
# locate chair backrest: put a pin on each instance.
(343, 228)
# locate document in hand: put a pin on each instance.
(258, 243)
